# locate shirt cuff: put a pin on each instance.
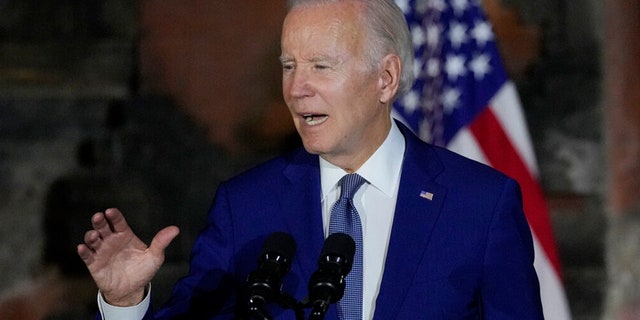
(137, 312)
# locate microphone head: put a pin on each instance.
(337, 252)
(277, 253)
(279, 243)
(264, 284)
(327, 283)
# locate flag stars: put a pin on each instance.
(404, 5)
(457, 34)
(459, 6)
(438, 5)
(417, 36)
(480, 66)
(421, 6)
(410, 101)
(482, 33)
(425, 130)
(433, 67)
(430, 103)
(450, 98)
(433, 35)
(454, 66)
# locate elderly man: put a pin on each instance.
(437, 236)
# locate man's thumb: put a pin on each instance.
(163, 238)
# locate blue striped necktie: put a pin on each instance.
(345, 219)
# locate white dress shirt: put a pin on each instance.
(375, 202)
(110, 312)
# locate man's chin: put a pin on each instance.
(313, 148)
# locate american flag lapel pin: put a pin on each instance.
(426, 195)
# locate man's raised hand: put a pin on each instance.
(119, 262)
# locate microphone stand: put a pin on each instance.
(318, 308)
(288, 302)
(257, 310)
(257, 307)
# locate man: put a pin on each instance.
(443, 237)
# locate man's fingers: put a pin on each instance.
(85, 254)
(116, 220)
(162, 239)
(101, 225)
(92, 240)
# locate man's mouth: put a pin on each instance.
(315, 119)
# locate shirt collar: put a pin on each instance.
(381, 170)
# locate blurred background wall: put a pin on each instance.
(148, 105)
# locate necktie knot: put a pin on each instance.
(349, 184)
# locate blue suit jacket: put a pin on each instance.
(465, 254)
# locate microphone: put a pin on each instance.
(327, 284)
(265, 283)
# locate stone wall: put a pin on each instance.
(562, 96)
(622, 87)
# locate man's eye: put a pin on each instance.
(321, 66)
(288, 68)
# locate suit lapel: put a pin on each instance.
(418, 206)
(302, 210)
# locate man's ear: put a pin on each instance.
(389, 77)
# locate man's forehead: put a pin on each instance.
(326, 25)
(339, 12)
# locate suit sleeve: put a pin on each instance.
(209, 290)
(510, 288)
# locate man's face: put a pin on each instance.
(332, 93)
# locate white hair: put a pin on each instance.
(387, 31)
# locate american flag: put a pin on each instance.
(463, 100)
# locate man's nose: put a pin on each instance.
(300, 85)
